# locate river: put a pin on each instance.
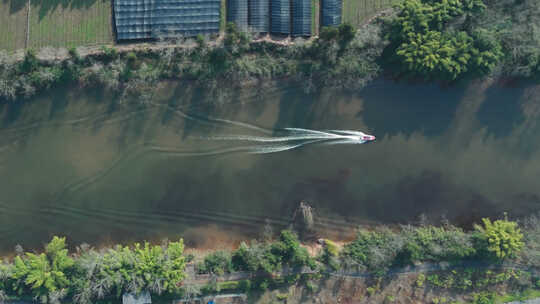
(83, 164)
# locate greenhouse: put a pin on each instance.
(151, 19)
(281, 17)
(301, 21)
(259, 17)
(237, 12)
(331, 12)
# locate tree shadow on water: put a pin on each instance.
(12, 112)
(59, 102)
(295, 108)
(391, 108)
(501, 111)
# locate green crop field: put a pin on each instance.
(65, 23)
(357, 12)
(57, 23)
(13, 15)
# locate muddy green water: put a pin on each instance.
(82, 164)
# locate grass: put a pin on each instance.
(315, 8)
(525, 295)
(228, 285)
(13, 20)
(223, 16)
(356, 12)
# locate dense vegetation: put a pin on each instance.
(431, 39)
(340, 58)
(263, 258)
(379, 250)
(446, 40)
(90, 275)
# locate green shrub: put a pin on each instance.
(218, 262)
(500, 239)
(201, 42)
(249, 258)
(310, 286)
(268, 258)
(374, 250)
(329, 255)
(331, 248)
(420, 279)
(289, 251)
(329, 33)
(446, 243)
(131, 59)
(30, 62)
(236, 42)
(263, 285)
(484, 298)
(346, 33)
(74, 54)
(110, 53)
(244, 285)
(531, 250)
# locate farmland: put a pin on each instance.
(57, 23)
(357, 12)
(14, 23)
(69, 23)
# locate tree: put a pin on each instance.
(47, 272)
(423, 44)
(290, 252)
(500, 239)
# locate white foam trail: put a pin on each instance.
(295, 130)
(350, 132)
(289, 142)
(345, 141)
(276, 139)
(273, 149)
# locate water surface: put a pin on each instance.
(85, 165)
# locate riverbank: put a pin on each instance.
(340, 59)
(425, 263)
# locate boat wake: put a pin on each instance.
(295, 138)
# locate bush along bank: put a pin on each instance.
(341, 58)
(89, 275)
